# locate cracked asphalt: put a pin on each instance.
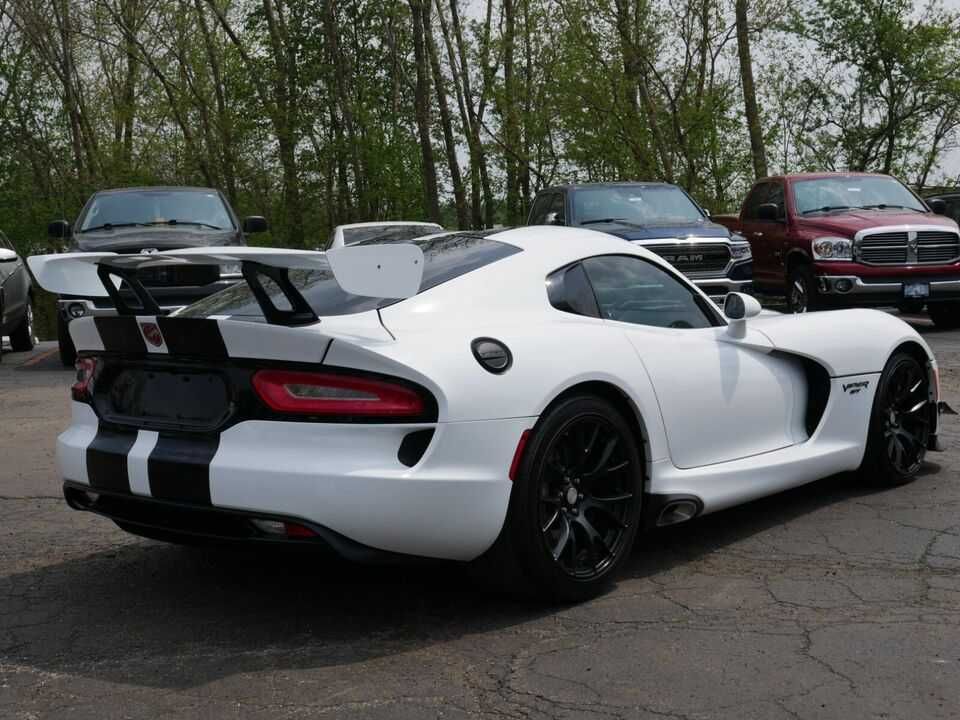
(830, 601)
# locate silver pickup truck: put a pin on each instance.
(662, 218)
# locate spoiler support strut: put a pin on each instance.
(148, 305)
(300, 312)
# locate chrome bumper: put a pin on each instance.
(717, 288)
(827, 285)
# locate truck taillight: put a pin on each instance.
(328, 394)
(82, 389)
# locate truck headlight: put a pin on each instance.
(740, 251)
(832, 248)
(230, 270)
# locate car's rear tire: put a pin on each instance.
(22, 339)
(945, 315)
(575, 506)
(68, 353)
(899, 424)
(801, 291)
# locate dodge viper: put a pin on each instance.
(525, 399)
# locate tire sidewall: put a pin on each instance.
(523, 524)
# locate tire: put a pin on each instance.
(945, 315)
(68, 353)
(801, 291)
(573, 517)
(899, 424)
(22, 339)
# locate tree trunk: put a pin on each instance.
(751, 109)
(431, 199)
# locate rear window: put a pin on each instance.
(387, 233)
(445, 258)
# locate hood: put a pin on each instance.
(704, 229)
(158, 238)
(849, 224)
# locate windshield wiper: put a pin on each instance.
(826, 208)
(186, 222)
(110, 226)
(622, 221)
(884, 206)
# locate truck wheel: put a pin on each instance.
(21, 339)
(68, 353)
(945, 315)
(801, 291)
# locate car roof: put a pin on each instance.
(617, 183)
(157, 188)
(821, 175)
(386, 223)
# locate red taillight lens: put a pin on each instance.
(82, 389)
(518, 454)
(306, 393)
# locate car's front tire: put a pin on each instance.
(576, 503)
(899, 423)
(801, 292)
(22, 339)
(68, 352)
(945, 315)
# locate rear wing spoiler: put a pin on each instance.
(387, 271)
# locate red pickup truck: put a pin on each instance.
(840, 239)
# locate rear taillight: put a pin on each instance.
(82, 389)
(307, 393)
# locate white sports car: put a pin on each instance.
(527, 398)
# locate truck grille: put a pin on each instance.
(695, 258)
(910, 248)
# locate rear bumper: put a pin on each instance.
(343, 478)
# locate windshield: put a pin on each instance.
(200, 208)
(874, 192)
(638, 204)
(444, 258)
(394, 233)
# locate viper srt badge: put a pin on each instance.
(855, 387)
(152, 333)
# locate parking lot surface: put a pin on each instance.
(831, 601)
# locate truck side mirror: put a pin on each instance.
(737, 307)
(255, 224)
(768, 211)
(938, 206)
(58, 229)
(552, 218)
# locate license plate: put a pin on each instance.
(916, 290)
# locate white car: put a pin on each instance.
(386, 231)
(528, 399)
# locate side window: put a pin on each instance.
(541, 206)
(556, 206)
(953, 208)
(633, 290)
(757, 197)
(776, 197)
(5, 243)
(569, 290)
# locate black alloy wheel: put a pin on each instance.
(586, 494)
(901, 423)
(575, 505)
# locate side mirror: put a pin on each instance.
(553, 218)
(706, 212)
(768, 211)
(58, 229)
(7, 255)
(255, 224)
(938, 206)
(737, 307)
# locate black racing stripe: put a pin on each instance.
(198, 337)
(120, 334)
(107, 459)
(179, 468)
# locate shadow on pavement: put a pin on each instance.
(154, 615)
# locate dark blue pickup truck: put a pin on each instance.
(662, 218)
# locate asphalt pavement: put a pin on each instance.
(831, 601)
